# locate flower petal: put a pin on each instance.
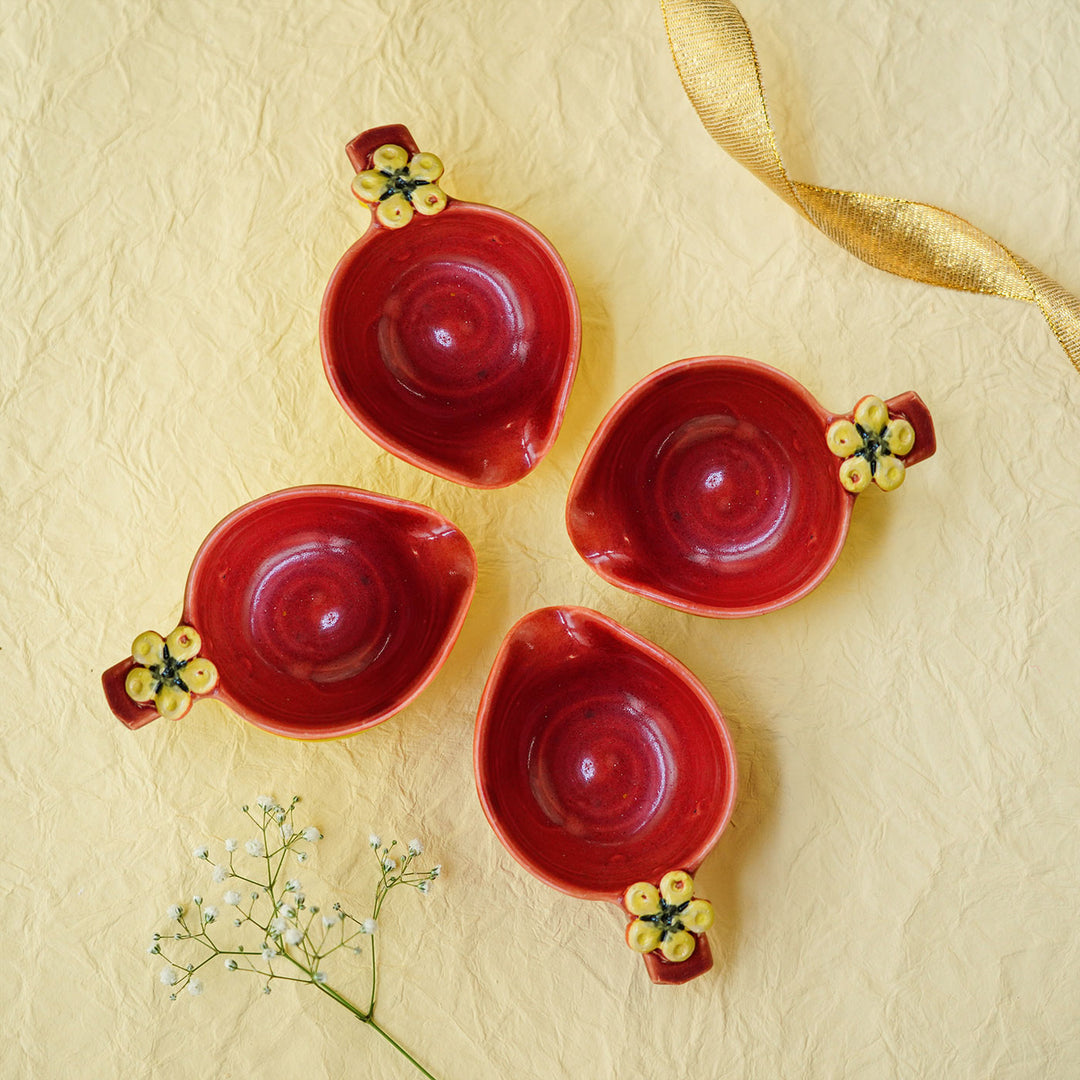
(390, 158)
(641, 936)
(899, 436)
(843, 438)
(872, 414)
(698, 916)
(184, 643)
(642, 898)
(148, 648)
(394, 212)
(855, 474)
(889, 472)
(678, 947)
(172, 702)
(428, 199)
(369, 185)
(140, 683)
(676, 886)
(200, 675)
(425, 166)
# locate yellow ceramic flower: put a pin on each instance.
(169, 671)
(397, 185)
(871, 446)
(668, 917)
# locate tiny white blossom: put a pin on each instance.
(269, 953)
(286, 830)
(278, 926)
(301, 856)
(196, 900)
(369, 926)
(293, 936)
(424, 886)
(195, 987)
(436, 870)
(153, 948)
(168, 976)
(320, 976)
(389, 864)
(210, 913)
(312, 834)
(220, 873)
(265, 801)
(175, 912)
(375, 840)
(329, 920)
(254, 848)
(292, 885)
(232, 897)
(414, 847)
(287, 910)
(230, 964)
(232, 844)
(200, 852)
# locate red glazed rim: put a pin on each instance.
(401, 450)
(712, 610)
(694, 857)
(339, 730)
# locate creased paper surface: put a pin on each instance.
(897, 890)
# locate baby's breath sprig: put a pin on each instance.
(289, 938)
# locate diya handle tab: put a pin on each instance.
(394, 178)
(667, 926)
(162, 677)
(879, 440)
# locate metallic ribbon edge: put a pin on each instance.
(717, 63)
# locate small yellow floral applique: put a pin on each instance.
(169, 671)
(871, 446)
(667, 917)
(398, 185)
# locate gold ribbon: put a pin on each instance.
(718, 65)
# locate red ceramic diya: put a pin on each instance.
(606, 770)
(719, 485)
(313, 612)
(450, 331)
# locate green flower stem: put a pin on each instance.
(367, 1018)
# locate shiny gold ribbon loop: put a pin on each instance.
(719, 68)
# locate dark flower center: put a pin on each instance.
(401, 183)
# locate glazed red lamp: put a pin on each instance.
(450, 331)
(721, 487)
(606, 769)
(314, 612)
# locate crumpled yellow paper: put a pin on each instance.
(896, 891)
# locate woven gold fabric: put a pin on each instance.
(718, 65)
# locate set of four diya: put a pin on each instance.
(717, 485)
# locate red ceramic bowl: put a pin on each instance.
(323, 610)
(601, 761)
(711, 486)
(452, 339)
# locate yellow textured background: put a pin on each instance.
(897, 892)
